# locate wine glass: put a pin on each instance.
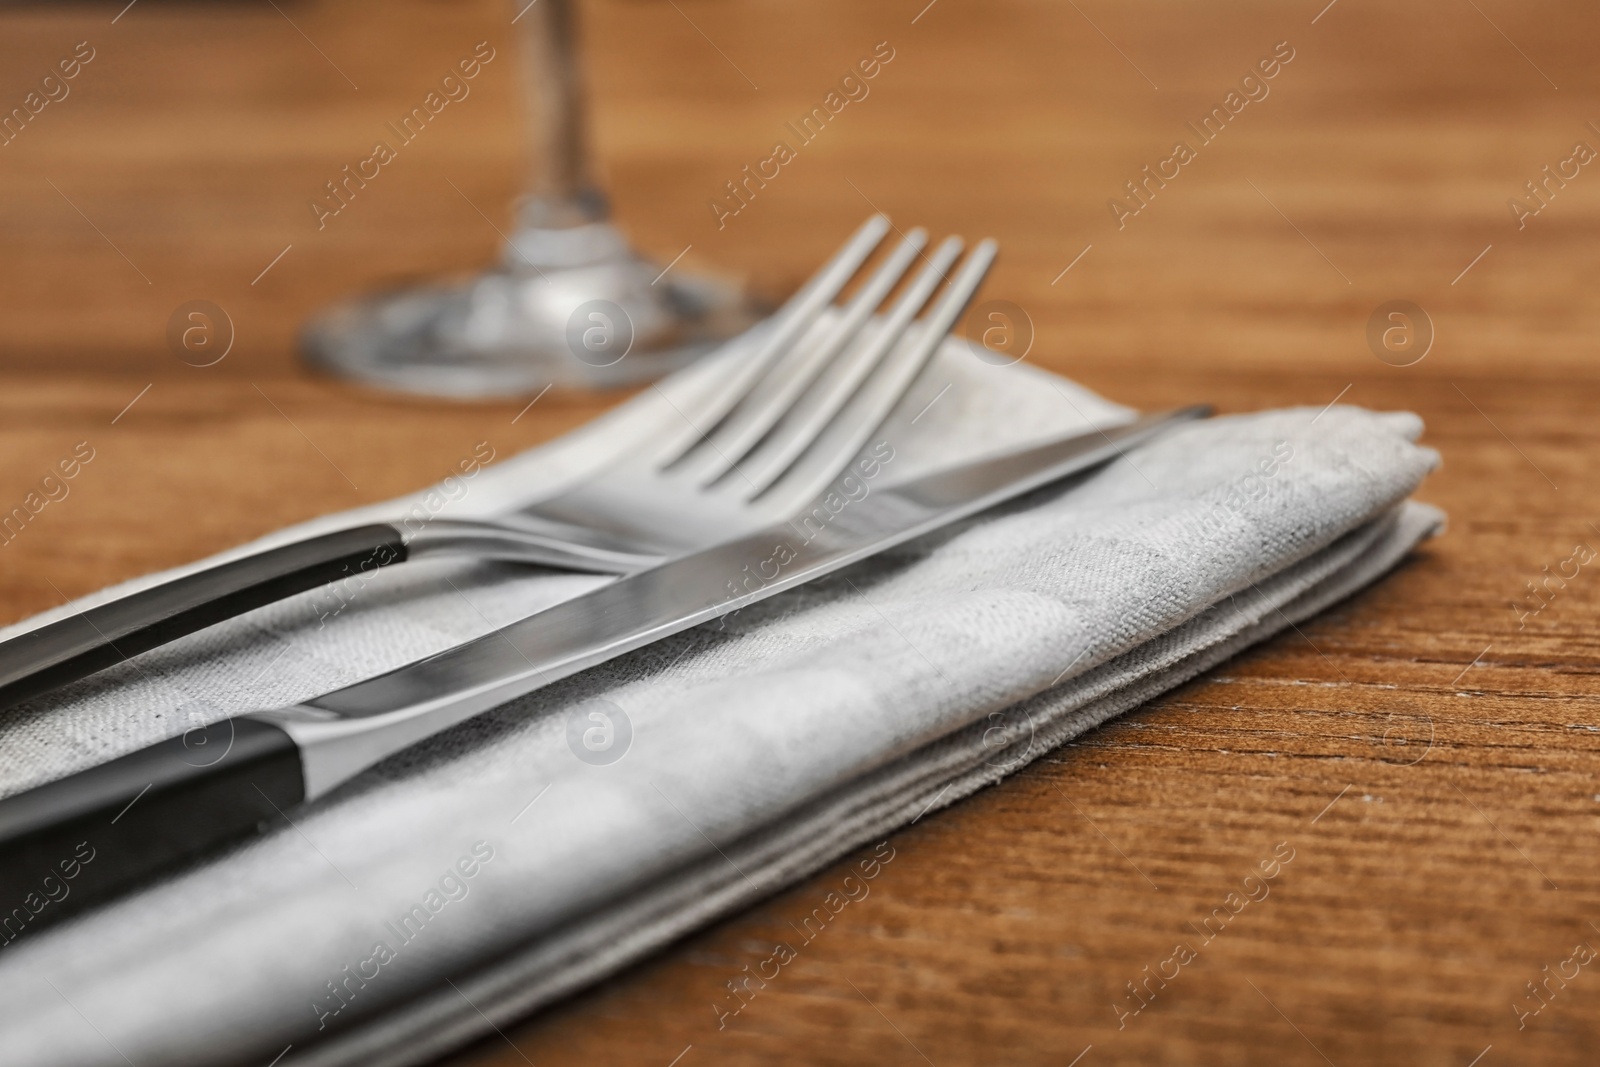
(570, 303)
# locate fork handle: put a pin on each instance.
(69, 649)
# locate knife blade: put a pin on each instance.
(154, 808)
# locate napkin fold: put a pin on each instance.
(558, 838)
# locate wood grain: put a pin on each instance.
(1429, 758)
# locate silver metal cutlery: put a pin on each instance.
(759, 446)
(161, 805)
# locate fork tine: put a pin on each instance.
(791, 322)
(784, 385)
(808, 423)
(824, 456)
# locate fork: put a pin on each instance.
(759, 447)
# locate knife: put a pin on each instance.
(146, 812)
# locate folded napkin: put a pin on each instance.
(554, 840)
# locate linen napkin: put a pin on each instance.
(556, 839)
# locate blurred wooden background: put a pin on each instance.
(1419, 903)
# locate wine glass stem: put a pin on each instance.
(561, 190)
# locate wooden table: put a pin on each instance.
(1428, 756)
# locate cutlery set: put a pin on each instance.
(712, 503)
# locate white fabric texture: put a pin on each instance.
(763, 746)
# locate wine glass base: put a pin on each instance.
(571, 307)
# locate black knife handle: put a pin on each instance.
(79, 840)
(73, 648)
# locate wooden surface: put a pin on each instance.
(1429, 758)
